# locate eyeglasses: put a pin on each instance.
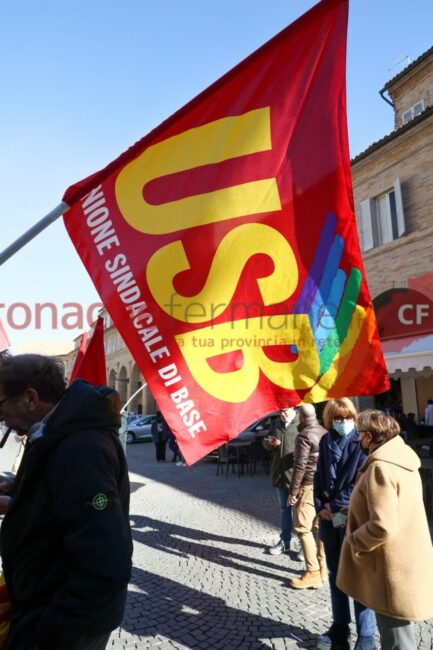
(5, 399)
(342, 419)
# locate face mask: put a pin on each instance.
(343, 428)
(364, 451)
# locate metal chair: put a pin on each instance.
(225, 458)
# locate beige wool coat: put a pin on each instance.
(386, 560)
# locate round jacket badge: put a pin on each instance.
(100, 501)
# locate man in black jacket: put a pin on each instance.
(281, 441)
(65, 539)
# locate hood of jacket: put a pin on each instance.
(84, 406)
(395, 452)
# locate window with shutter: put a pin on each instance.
(381, 219)
(366, 225)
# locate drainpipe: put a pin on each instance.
(388, 101)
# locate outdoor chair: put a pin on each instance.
(260, 455)
(225, 458)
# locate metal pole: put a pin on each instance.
(132, 396)
(34, 230)
(124, 418)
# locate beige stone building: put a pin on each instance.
(393, 191)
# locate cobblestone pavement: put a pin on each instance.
(201, 578)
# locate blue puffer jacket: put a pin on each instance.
(334, 479)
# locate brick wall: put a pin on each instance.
(410, 89)
(409, 158)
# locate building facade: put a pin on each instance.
(393, 192)
(123, 373)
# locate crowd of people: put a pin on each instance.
(349, 492)
(354, 492)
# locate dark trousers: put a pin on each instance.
(160, 450)
(332, 539)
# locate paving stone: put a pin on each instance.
(202, 579)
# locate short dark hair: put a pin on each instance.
(45, 374)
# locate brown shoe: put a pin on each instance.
(310, 580)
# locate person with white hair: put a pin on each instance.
(281, 443)
(301, 496)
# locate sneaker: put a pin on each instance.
(365, 643)
(179, 463)
(295, 552)
(278, 548)
(336, 638)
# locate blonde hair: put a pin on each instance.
(381, 426)
(342, 407)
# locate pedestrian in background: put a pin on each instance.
(301, 497)
(340, 457)
(174, 447)
(428, 415)
(281, 442)
(387, 556)
(160, 434)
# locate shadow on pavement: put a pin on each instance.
(133, 487)
(197, 620)
(253, 497)
(183, 541)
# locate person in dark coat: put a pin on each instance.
(160, 436)
(65, 540)
(340, 457)
(281, 442)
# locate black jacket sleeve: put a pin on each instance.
(89, 497)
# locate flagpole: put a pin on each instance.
(132, 397)
(33, 231)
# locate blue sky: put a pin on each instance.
(82, 81)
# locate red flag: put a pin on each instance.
(91, 365)
(80, 356)
(4, 339)
(224, 243)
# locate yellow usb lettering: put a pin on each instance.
(223, 139)
(250, 337)
(232, 254)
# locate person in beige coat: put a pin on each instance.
(386, 560)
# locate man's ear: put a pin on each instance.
(31, 397)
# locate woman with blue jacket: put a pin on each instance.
(340, 457)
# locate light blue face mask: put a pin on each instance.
(343, 428)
